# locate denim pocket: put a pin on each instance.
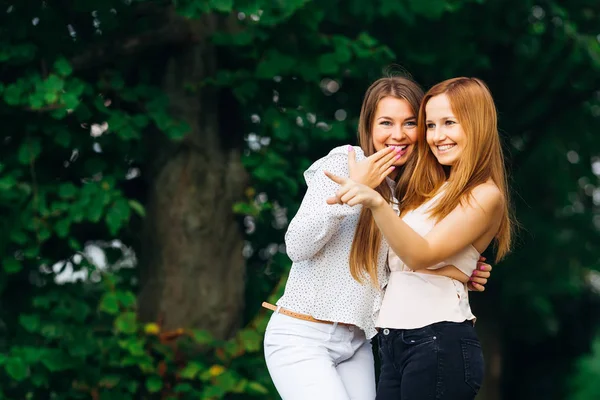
(473, 361)
(413, 337)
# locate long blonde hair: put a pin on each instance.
(482, 159)
(367, 238)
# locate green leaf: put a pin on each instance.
(12, 266)
(140, 121)
(50, 97)
(251, 340)
(183, 388)
(31, 322)
(62, 138)
(57, 360)
(127, 299)
(132, 386)
(178, 130)
(109, 303)
(136, 348)
(62, 67)
(137, 207)
(62, 227)
(117, 215)
(18, 236)
(70, 100)
(191, 370)
(53, 330)
(39, 379)
(12, 94)
(7, 182)
(222, 5)
(67, 190)
(202, 337)
(367, 40)
(257, 388)
(328, 64)
(274, 63)
(154, 384)
(126, 323)
(29, 150)
(16, 368)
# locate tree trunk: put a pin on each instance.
(192, 268)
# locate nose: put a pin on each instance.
(398, 133)
(437, 134)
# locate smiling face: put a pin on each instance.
(395, 124)
(445, 135)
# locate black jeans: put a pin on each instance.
(442, 361)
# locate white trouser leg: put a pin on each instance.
(304, 360)
(358, 373)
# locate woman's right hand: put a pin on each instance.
(372, 170)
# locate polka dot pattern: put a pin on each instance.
(318, 241)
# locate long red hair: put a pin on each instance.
(472, 104)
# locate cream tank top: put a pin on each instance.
(414, 300)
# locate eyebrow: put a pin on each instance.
(390, 118)
(443, 118)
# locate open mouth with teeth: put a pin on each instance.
(401, 149)
(445, 147)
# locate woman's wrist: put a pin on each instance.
(378, 202)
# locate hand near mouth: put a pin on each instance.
(372, 170)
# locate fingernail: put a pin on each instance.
(398, 156)
(393, 168)
(350, 148)
(397, 148)
(481, 267)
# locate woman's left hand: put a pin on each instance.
(353, 193)
(480, 276)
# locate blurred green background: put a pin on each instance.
(152, 155)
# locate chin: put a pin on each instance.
(401, 161)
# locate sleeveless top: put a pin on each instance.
(414, 300)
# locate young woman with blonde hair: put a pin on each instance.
(456, 204)
(317, 344)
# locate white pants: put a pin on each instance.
(314, 361)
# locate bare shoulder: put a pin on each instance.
(488, 196)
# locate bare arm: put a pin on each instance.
(449, 271)
(465, 224)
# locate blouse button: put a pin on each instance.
(386, 331)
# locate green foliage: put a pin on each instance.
(77, 351)
(584, 383)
